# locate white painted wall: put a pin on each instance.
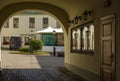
(23, 30)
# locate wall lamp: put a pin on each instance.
(70, 22)
(84, 16)
(76, 19)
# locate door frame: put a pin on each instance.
(114, 41)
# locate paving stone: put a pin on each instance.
(30, 75)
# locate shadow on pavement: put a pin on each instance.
(50, 61)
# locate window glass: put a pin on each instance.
(15, 22)
(6, 40)
(32, 23)
(45, 22)
(82, 39)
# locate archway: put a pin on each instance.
(54, 11)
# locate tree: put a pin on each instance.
(36, 44)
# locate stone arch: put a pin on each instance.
(54, 11)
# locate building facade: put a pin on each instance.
(104, 63)
(24, 25)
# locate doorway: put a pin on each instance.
(108, 48)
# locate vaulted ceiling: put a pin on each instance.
(70, 6)
(63, 10)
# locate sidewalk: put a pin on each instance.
(59, 50)
(30, 61)
(50, 48)
(18, 67)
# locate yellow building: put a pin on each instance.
(97, 61)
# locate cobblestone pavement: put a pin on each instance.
(18, 67)
(31, 75)
(16, 61)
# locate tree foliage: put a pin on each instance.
(36, 44)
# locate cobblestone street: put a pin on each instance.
(17, 67)
(16, 61)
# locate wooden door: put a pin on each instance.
(48, 39)
(108, 48)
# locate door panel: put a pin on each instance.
(107, 30)
(107, 75)
(108, 48)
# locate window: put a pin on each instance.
(26, 40)
(83, 39)
(15, 22)
(6, 40)
(57, 25)
(32, 23)
(76, 39)
(45, 22)
(6, 25)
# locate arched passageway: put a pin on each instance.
(55, 12)
(58, 13)
(84, 64)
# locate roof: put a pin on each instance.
(49, 30)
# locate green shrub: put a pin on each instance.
(22, 49)
(36, 44)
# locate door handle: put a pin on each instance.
(112, 57)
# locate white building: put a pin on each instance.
(25, 24)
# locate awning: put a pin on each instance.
(49, 30)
